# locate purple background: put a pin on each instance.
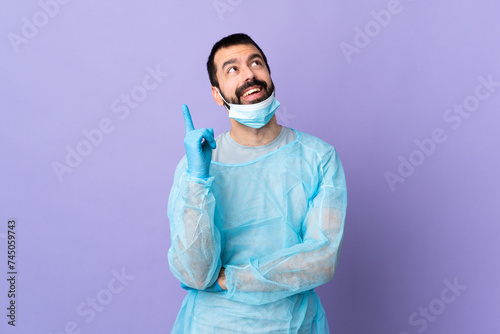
(110, 213)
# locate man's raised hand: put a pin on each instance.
(199, 144)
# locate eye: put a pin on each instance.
(232, 69)
(256, 62)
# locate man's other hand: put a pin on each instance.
(222, 279)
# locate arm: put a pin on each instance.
(194, 254)
(303, 266)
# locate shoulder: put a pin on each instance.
(323, 149)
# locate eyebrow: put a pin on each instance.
(234, 60)
(228, 62)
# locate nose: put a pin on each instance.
(247, 74)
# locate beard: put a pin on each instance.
(255, 82)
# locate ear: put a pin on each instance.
(216, 96)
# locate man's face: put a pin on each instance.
(242, 75)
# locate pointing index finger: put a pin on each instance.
(187, 118)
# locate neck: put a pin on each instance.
(248, 136)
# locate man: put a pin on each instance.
(257, 214)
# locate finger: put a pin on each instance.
(208, 135)
(212, 144)
(187, 118)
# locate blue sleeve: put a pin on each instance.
(194, 254)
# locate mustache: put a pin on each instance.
(248, 84)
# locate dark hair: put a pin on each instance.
(234, 39)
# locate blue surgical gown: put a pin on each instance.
(275, 224)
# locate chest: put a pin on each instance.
(261, 208)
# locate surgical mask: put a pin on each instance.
(253, 115)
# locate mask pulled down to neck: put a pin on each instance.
(253, 115)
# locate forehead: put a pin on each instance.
(238, 52)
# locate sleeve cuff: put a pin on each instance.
(207, 182)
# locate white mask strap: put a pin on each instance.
(225, 105)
